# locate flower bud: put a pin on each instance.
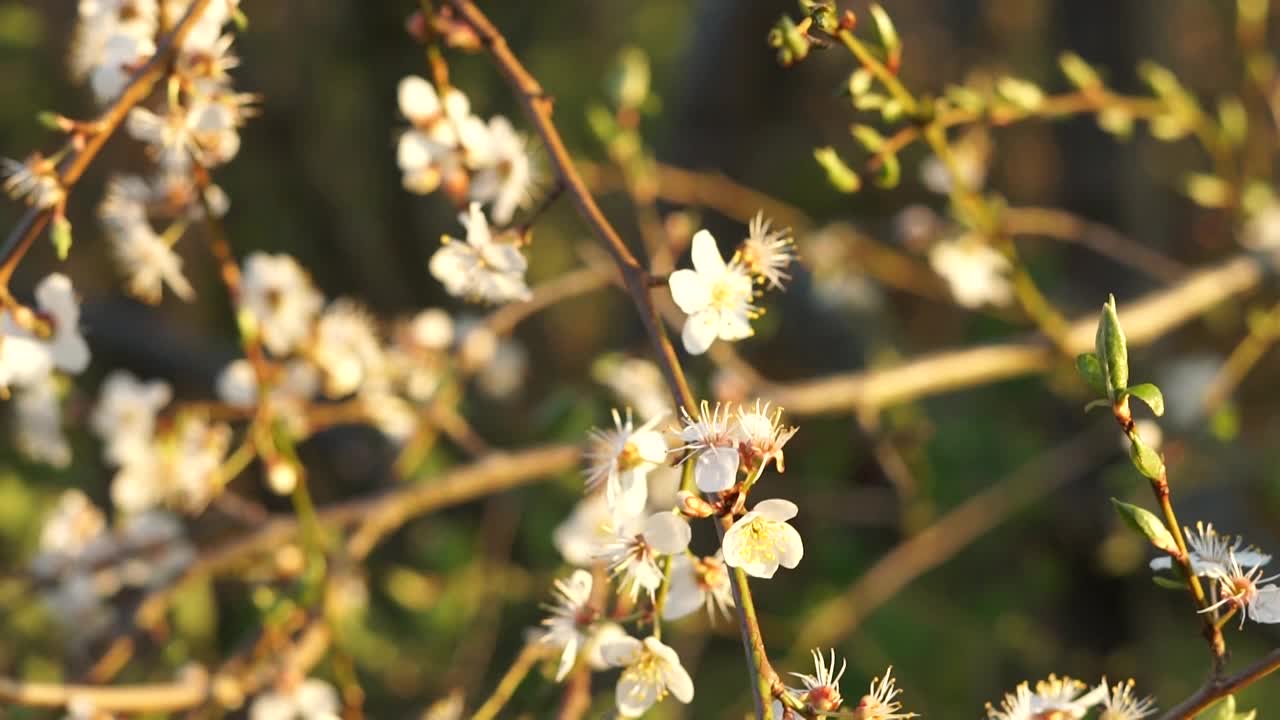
(693, 506)
(282, 477)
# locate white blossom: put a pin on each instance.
(879, 703)
(716, 296)
(767, 253)
(505, 372)
(637, 382)
(712, 444)
(278, 294)
(620, 460)
(445, 140)
(698, 582)
(346, 348)
(1119, 703)
(761, 437)
(310, 699)
(146, 258)
(35, 181)
(633, 553)
(181, 468)
(651, 671)
(570, 620)
(1239, 589)
(821, 690)
(1054, 697)
(1262, 231)
(38, 418)
(584, 534)
(762, 539)
(976, 272)
(1211, 554)
(506, 181)
(125, 415)
(481, 268)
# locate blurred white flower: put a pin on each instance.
(1262, 231)
(450, 708)
(432, 329)
(480, 268)
(713, 446)
(633, 553)
(716, 296)
(762, 539)
(637, 382)
(976, 272)
(506, 180)
(698, 582)
(310, 699)
(570, 620)
(37, 412)
(346, 348)
(125, 415)
(1119, 703)
(74, 524)
(1211, 554)
(1054, 697)
(278, 294)
(35, 181)
(148, 261)
(584, 534)
(181, 468)
(767, 253)
(620, 460)
(505, 372)
(651, 671)
(25, 359)
(445, 140)
(120, 54)
(970, 153)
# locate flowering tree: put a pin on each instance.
(683, 510)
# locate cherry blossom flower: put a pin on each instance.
(181, 468)
(445, 140)
(25, 359)
(294, 386)
(481, 268)
(449, 708)
(821, 690)
(1119, 703)
(1238, 588)
(879, 702)
(346, 348)
(634, 551)
(37, 412)
(584, 534)
(506, 180)
(976, 272)
(620, 460)
(762, 540)
(35, 181)
(125, 414)
(716, 296)
(310, 699)
(1056, 697)
(1211, 554)
(767, 253)
(712, 445)
(761, 436)
(698, 582)
(651, 671)
(505, 371)
(277, 293)
(637, 382)
(571, 619)
(146, 258)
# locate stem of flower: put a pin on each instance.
(511, 680)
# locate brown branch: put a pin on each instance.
(141, 698)
(1217, 689)
(1146, 320)
(538, 107)
(569, 285)
(75, 164)
(837, 617)
(1107, 242)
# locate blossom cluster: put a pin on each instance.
(1066, 697)
(1235, 570)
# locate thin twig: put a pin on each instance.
(1217, 689)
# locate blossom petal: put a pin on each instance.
(734, 325)
(418, 99)
(667, 533)
(627, 492)
(683, 596)
(621, 652)
(689, 291)
(700, 330)
(679, 682)
(706, 254)
(716, 469)
(1265, 608)
(789, 546)
(635, 694)
(776, 509)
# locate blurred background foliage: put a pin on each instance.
(1061, 586)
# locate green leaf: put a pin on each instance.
(870, 138)
(1151, 395)
(888, 36)
(1090, 370)
(1079, 72)
(60, 234)
(1146, 460)
(1168, 583)
(1145, 522)
(1224, 709)
(889, 173)
(1113, 353)
(839, 174)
